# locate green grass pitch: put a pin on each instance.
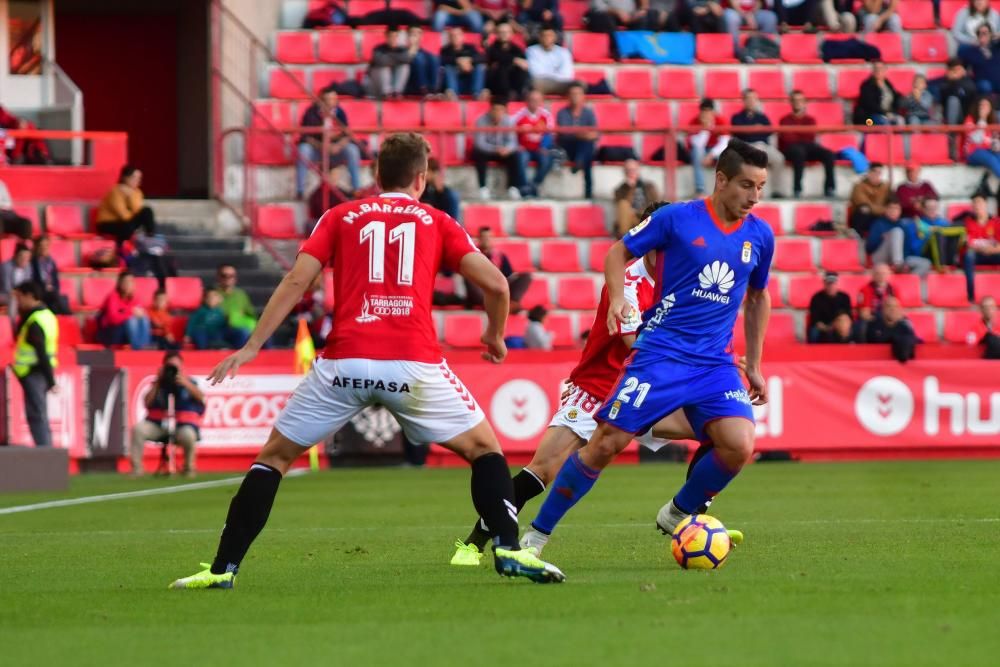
(846, 564)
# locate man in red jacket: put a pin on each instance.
(801, 147)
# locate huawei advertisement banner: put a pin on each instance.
(65, 408)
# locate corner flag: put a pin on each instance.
(305, 354)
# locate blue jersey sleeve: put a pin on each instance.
(650, 234)
(761, 273)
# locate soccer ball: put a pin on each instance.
(700, 542)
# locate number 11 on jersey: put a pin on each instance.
(405, 235)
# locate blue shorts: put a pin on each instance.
(650, 388)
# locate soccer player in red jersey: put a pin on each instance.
(382, 349)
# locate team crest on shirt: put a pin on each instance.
(747, 252)
(572, 414)
(615, 407)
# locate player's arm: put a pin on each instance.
(482, 273)
(756, 313)
(288, 293)
(619, 309)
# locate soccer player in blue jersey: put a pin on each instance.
(711, 253)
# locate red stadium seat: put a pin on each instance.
(775, 111)
(96, 290)
(401, 115)
(88, 248)
(651, 143)
(447, 115)
(586, 221)
(880, 148)
(634, 84)
(560, 257)
(774, 289)
(598, 251)
(269, 148)
(573, 13)
(907, 287)
(928, 47)
(770, 213)
(322, 78)
(287, 84)
(590, 77)
(840, 255)
(337, 46)
(916, 15)
(714, 48)
(807, 214)
(577, 293)
(268, 113)
(474, 110)
(369, 40)
(613, 115)
(145, 288)
(948, 10)
(590, 47)
(800, 48)
(802, 288)
(463, 330)
(537, 294)
(963, 326)
(517, 325)
(69, 331)
(794, 255)
(70, 288)
(849, 80)
(561, 326)
(519, 254)
(769, 83)
(723, 84)
(534, 221)
(360, 113)
(987, 284)
(929, 149)
(832, 112)
(902, 79)
(947, 290)
(477, 216)
(63, 253)
(653, 115)
(277, 221)
(295, 47)
(781, 328)
(813, 82)
(925, 325)
(677, 83)
(185, 292)
(31, 213)
(838, 141)
(889, 44)
(65, 220)
(957, 209)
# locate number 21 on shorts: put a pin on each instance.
(632, 386)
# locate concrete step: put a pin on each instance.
(183, 243)
(210, 259)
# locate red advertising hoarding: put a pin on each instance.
(65, 407)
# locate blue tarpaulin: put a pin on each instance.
(673, 48)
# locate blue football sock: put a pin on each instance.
(572, 483)
(708, 477)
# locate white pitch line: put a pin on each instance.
(86, 500)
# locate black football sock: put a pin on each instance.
(527, 485)
(493, 498)
(248, 513)
(704, 449)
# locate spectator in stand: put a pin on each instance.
(982, 145)
(703, 16)
(800, 147)
(920, 241)
(983, 234)
(537, 14)
(750, 14)
(824, 307)
(955, 91)
(892, 326)
(983, 60)
(946, 240)
(917, 108)
(495, 12)
(241, 316)
(325, 196)
(536, 142)
(878, 99)
(579, 145)
(610, 15)
(10, 221)
(506, 65)
(518, 282)
(23, 151)
(456, 13)
(45, 272)
(121, 319)
(967, 21)
(798, 13)
(437, 193)
(988, 324)
(207, 328)
(632, 197)
(161, 323)
(463, 66)
(340, 147)
(425, 67)
(536, 337)
(872, 295)
(389, 69)
(868, 199)
(842, 330)
(887, 242)
(371, 189)
(879, 16)
(913, 191)
(550, 65)
(121, 213)
(500, 147)
(13, 272)
(324, 15)
(838, 15)
(666, 15)
(751, 114)
(706, 145)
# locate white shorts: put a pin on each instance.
(577, 414)
(430, 403)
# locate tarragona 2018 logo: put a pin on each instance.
(886, 406)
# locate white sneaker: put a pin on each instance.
(534, 542)
(668, 517)
(513, 193)
(484, 193)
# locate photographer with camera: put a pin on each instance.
(189, 405)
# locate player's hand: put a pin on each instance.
(228, 367)
(496, 349)
(758, 388)
(741, 363)
(619, 312)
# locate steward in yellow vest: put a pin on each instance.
(35, 357)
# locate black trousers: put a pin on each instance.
(123, 230)
(12, 223)
(507, 82)
(800, 15)
(799, 154)
(35, 388)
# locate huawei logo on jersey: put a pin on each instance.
(717, 275)
(365, 315)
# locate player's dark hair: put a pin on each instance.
(651, 209)
(737, 154)
(31, 288)
(402, 157)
